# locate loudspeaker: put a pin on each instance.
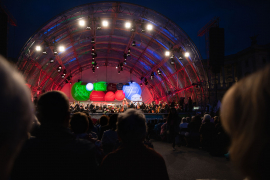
(3, 34)
(216, 48)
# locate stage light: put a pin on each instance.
(105, 23)
(125, 57)
(59, 67)
(38, 48)
(97, 66)
(116, 67)
(172, 62)
(55, 51)
(89, 87)
(149, 27)
(143, 26)
(59, 70)
(180, 57)
(140, 84)
(51, 60)
(159, 72)
(167, 53)
(69, 82)
(118, 72)
(64, 72)
(133, 43)
(152, 76)
(93, 61)
(125, 62)
(93, 48)
(93, 41)
(128, 25)
(63, 76)
(129, 50)
(61, 48)
(82, 23)
(186, 54)
(44, 51)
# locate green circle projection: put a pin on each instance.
(79, 92)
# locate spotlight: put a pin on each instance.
(55, 52)
(82, 23)
(140, 84)
(159, 72)
(38, 48)
(172, 62)
(143, 26)
(180, 57)
(105, 23)
(172, 56)
(116, 67)
(64, 72)
(128, 25)
(93, 41)
(152, 76)
(63, 76)
(186, 54)
(44, 51)
(97, 66)
(133, 43)
(128, 54)
(70, 82)
(59, 67)
(128, 49)
(149, 27)
(61, 48)
(93, 61)
(89, 23)
(59, 70)
(118, 72)
(93, 48)
(125, 62)
(167, 53)
(51, 60)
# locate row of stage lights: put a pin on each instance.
(105, 23)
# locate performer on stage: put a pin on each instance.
(125, 104)
(132, 104)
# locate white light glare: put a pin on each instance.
(105, 23)
(128, 25)
(82, 23)
(89, 87)
(38, 48)
(61, 48)
(167, 53)
(186, 54)
(149, 27)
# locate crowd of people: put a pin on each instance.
(161, 107)
(54, 145)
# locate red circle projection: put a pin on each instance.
(97, 96)
(119, 95)
(110, 96)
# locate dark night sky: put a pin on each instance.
(241, 19)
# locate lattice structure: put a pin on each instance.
(110, 45)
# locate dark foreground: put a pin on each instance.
(192, 164)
